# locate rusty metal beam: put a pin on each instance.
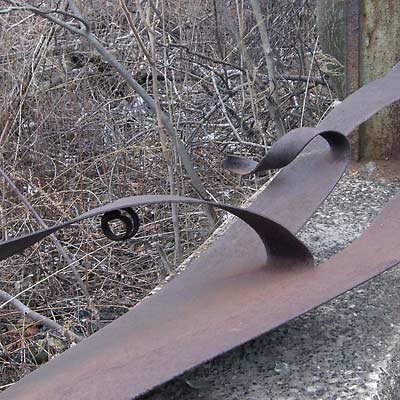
(231, 293)
(352, 46)
(352, 59)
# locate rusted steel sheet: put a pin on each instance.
(231, 293)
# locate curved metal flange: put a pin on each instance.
(282, 247)
(285, 150)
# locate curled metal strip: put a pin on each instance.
(279, 243)
(130, 221)
(285, 150)
(282, 247)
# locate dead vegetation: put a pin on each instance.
(75, 134)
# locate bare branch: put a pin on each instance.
(20, 6)
(240, 140)
(273, 81)
(25, 311)
(128, 17)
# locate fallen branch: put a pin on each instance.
(34, 316)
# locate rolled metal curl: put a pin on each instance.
(280, 244)
(130, 221)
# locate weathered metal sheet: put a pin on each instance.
(231, 293)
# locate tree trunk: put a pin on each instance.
(380, 50)
(331, 28)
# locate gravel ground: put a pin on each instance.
(346, 349)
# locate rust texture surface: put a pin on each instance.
(352, 60)
(255, 277)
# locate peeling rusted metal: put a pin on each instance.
(231, 293)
